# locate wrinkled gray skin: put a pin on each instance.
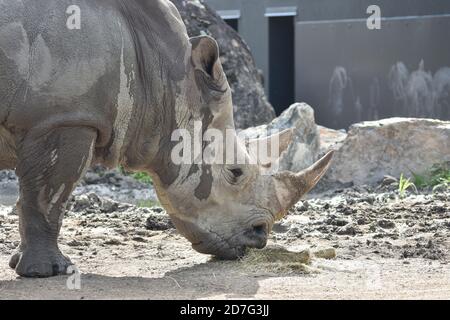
(112, 93)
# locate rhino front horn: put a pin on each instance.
(290, 187)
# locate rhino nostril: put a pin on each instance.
(257, 236)
(260, 229)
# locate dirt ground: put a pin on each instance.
(387, 248)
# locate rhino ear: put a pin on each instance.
(207, 66)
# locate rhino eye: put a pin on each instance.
(236, 172)
(232, 175)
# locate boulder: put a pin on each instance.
(9, 188)
(251, 107)
(304, 149)
(392, 146)
(330, 139)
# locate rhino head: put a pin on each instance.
(223, 208)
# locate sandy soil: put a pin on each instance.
(386, 247)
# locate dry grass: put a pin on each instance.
(276, 260)
(326, 253)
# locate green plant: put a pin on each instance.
(420, 181)
(139, 176)
(405, 184)
(142, 177)
(148, 204)
(123, 171)
(437, 177)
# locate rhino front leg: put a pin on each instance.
(49, 167)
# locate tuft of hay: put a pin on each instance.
(326, 253)
(277, 260)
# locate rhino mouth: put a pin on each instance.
(213, 243)
(224, 253)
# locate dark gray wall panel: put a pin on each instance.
(350, 73)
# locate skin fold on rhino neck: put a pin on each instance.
(180, 116)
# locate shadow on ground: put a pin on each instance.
(218, 279)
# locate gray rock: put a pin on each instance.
(159, 222)
(84, 202)
(92, 203)
(393, 146)
(9, 188)
(251, 107)
(330, 139)
(349, 230)
(281, 227)
(389, 180)
(116, 186)
(304, 149)
(75, 243)
(157, 209)
(386, 224)
(109, 206)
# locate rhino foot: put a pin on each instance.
(38, 264)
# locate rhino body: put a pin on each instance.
(99, 77)
(112, 92)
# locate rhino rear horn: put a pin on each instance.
(292, 186)
(311, 176)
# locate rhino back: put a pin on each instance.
(126, 58)
(52, 73)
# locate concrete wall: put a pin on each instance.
(254, 27)
(351, 74)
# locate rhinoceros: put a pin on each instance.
(112, 91)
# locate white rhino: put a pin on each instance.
(113, 92)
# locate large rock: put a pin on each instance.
(390, 147)
(9, 188)
(251, 107)
(304, 149)
(330, 139)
